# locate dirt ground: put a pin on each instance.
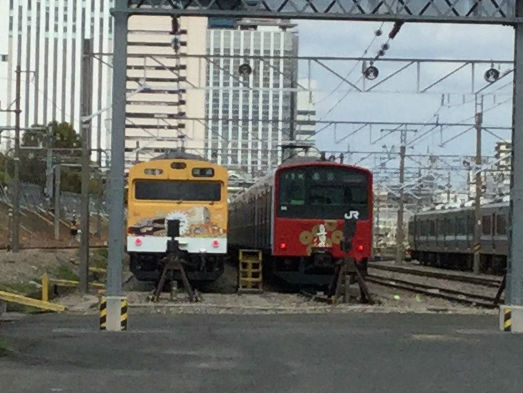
(21, 273)
(28, 265)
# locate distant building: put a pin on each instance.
(305, 113)
(165, 88)
(250, 115)
(503, 155)
(45, 37)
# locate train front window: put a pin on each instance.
(324, 192)
(176, 190)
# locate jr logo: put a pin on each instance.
(352, 215)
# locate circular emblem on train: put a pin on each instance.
(306, 238)
(331, 225)
(180, 216)
(337, 237)
(321, 235)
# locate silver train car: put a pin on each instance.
(445, 238)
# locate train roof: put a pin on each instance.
(311, 161)
(461, 209)
(178, 155)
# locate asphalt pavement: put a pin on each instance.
(318, 353)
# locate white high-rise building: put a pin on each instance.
(45, 38)
(306, 113)
(250, 116)
(165, 87)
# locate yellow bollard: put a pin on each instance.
(45, 287)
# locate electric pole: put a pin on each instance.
(477, 203)
(400, 252)
(56, 196)
(15, 243)
(86, 139)
(448, 187)
(400, 233)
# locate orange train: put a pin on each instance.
(190, 190)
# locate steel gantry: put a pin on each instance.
(502, 12)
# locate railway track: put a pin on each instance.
(434, 291)
(484, 281)
(57, 247)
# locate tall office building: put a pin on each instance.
(45, 38)
(305, 113)
(165, 87)
(250, 114)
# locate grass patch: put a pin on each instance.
(19, 288)
(99, 258)
(65, 273)
(24, 289)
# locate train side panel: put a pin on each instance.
(446, 238)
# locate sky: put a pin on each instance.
(441, 41)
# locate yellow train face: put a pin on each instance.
(193, 192)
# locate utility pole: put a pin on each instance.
(477, 202)
(56, 194)
(49, 168)
(86, 96)
(400, 233)
(15, 243)
(378, 223)
(448, 187)
(514, 279)
(116, 180)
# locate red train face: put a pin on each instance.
(310, 205)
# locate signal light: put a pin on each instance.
(215, 243)
(360, 248)
(138, 241)
(283, 246)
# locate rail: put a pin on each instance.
(489, 282)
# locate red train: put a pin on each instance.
(296, 216)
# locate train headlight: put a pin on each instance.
(360, 248)
(138, 242)
(283, 246)
(215, 243)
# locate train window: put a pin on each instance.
(425, 228)
(486, 224)
(447, 228)
(432, 228)
(203, 172)
(461, 225)
(411, 228)
(322, 192)
(292, 188)
(501, 225)
(178, 190)
(178, 165)
(470, 224)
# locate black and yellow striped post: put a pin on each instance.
(507, 319)
(103, 313)
(123, 313)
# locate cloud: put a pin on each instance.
(442, 41)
